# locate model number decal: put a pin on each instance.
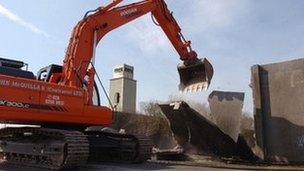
(32, 106)
(14, 104)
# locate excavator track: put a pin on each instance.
(42, 147)
(144, 150)
(56, 149)
(116, 147)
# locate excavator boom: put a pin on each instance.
(89, 31)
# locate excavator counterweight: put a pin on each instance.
(195, 75)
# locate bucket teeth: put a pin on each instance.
(194, 87)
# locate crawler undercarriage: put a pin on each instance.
(56, 149)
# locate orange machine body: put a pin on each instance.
(35, 102)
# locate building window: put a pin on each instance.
(118, 70)
(117, 98)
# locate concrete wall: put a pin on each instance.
(278, 92)
(226, 109)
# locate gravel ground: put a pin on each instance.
(121, 167)
(162, 166)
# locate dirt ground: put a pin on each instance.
(121, 167)
(203, 164)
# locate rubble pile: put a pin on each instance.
(197, 134)
(156, 127)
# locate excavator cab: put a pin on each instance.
(195, 75)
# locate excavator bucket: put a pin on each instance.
(195, 75)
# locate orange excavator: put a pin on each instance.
(63, 101)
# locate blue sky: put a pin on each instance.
(233, 34)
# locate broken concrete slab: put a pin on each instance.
(175, 154)
(226, 109)
(244, 151)
(194, 132)
(278, 110)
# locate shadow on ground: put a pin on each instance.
(93, 167)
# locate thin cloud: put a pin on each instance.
(215, 14)
(149, 37)
(18, 20)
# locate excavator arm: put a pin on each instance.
(91, 29)
(195, 74)
(169, 25)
